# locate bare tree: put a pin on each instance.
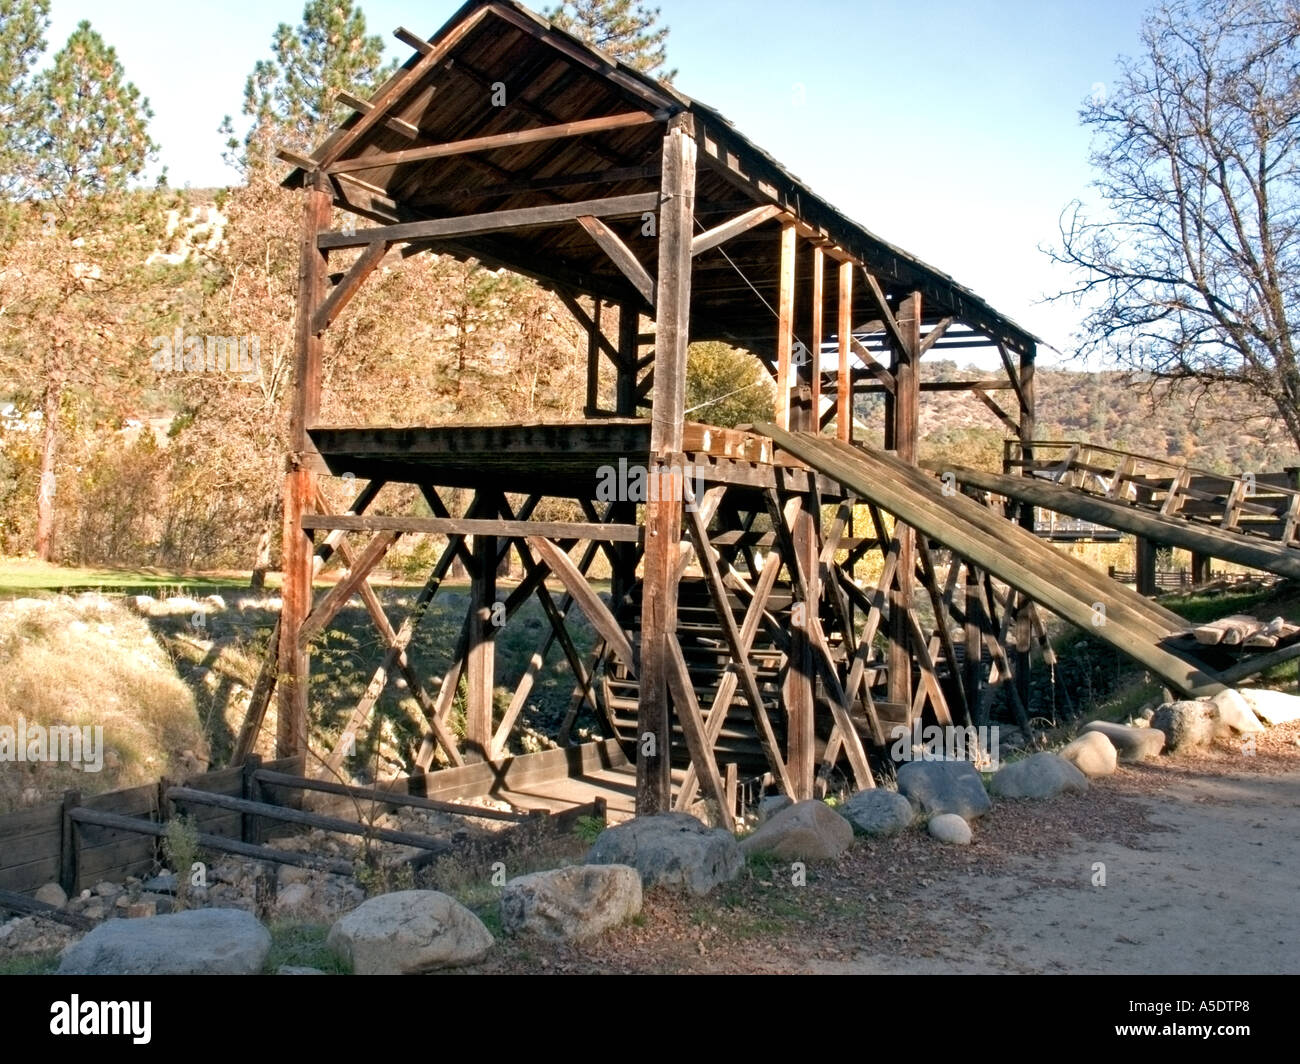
(1190, 267)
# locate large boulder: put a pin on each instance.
(1131, 744)
(878, 812)
(1040, 775)
(196, 942)
(1092, 754)
(1272, 707)
(1186, 724)
(1233, 715)
(806, 831)
(944, 787)
(949, 827)
(407, 932)
(571, 904)
(673, 850)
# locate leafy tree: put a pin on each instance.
(726, 387)
(1191, 268)
(291, 97)
(22, 41)
(627, 30)
(89, 142)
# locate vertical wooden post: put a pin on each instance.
(663, 528)
(69, 844)
(800, 693)
(785, 326)
(1144, 565)
(973, 673)
(1024, 635)
(629, 327)
(300, 482)
(249, 826)
(480, 654)
(593, 362)
(844, 388)
(815, 354)
(902, 413)
(1200, 568)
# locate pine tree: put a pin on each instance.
(291, 97)
(627, 30)
(22, 41)
(89, 142)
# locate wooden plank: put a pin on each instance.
(815, 354)
(785, 325)
(844, 384)
(934, 335)
(887, 317)
(692, 722)
(341, 294)
(336, 598)
(587, 599)
(733, 228)
(401, 83)
(621, 255)
(492, 221)
(495, 141)
(460, 526)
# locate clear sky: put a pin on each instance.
(948, 127)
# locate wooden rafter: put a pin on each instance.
(621, 255)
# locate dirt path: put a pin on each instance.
(1214, 892)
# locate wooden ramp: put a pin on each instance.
(1176, 531)
(1134, 625)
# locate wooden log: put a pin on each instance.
(621, 255)
(785, 325)
(385, 797)
(460, 526)
(844, 386)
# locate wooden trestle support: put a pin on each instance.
(742, 636)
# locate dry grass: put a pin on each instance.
(87, 661)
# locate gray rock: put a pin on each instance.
(1186, 724)
(1092, 754)
(878, 812)
(293, 897)
(807, 831)
(160, 884)
(944, 787)
(1041, 775)
(51, 894)
(671, 849)
(949, 827)
(1272, 707)
(571, 904)
(1234, 715)
(198, 942)
(296, 969)
(407, 932)
(1131, 744)
(771, 805)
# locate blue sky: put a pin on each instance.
(948, 127)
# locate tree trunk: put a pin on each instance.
(49, 451)
(263, 561)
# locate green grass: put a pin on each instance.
(21, 576)
(302, 945)
(36, 964)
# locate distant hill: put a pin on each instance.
(1224, 431)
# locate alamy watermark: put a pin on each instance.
(82, 746)
(979, 745)
(179, 353)
(627, 482)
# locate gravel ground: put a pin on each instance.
(1201, 860)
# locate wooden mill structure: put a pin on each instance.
(737, 637)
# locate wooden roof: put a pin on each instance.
(445, 93)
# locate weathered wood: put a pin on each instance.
(324, 612)
(587, 599)
(386, 796)
(480, 657)
(341, 294)
(785, 325)
(844, 385)
(621, 255)
(460, 526)
(814, 373)
(493, 142)
(692, 722)
(733, 227)
(492, 222)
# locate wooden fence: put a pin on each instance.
(78, 842)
